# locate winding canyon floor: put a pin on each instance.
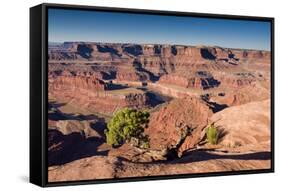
(183, 88)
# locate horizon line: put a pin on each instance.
(171, 44)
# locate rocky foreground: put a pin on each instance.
(245, 146)
(184, 88)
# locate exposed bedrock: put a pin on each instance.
(232, 81)
(200, 80)
(159, 59)
(163, 50)
(129, 74)
(242, 95)
(84, 82)
(253, 55)
(201, 84)
(60, 146)
(178, 126)
(247, 124)
(91, 127)
(93, 94)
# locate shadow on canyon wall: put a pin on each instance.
(73, 146)
(67, 148)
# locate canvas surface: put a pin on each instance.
(134, 95)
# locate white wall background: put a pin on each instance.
(14, 96)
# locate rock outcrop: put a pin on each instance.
(237, 80)
(60, 146)
(178, 125)
(130, 74)
(201, 161)
(242, 95)
(247, 124)
(198, 80)
(185, 88)
(90, 93)
(159, 59)
(90, 83)
(85, 127)
(96, 167)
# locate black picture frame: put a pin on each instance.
(39, 94)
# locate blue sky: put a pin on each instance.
(93, 26)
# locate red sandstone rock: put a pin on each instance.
(170, 126)
(60, 146)
(85, 127)
(190, 80)
(158, 59)
(128, 74)
(95, 167)
(235, 80)
(89, 92)
(242, 95)
(90, 83)
(74, 76)
(247, 124)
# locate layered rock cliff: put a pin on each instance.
(200, 80)
(185, 88)
(159, 59)
(91, 93)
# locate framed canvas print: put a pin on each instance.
(126, 94)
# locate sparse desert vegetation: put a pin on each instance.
(212, 134)
(128, 125)
(126, 110)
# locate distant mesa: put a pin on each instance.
(90, 73)
(184, 88)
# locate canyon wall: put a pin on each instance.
(159, 59)
(173, 70)
(93, 94)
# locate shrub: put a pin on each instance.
(128, 125)
(212, 134)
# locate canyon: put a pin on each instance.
(184, 88)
